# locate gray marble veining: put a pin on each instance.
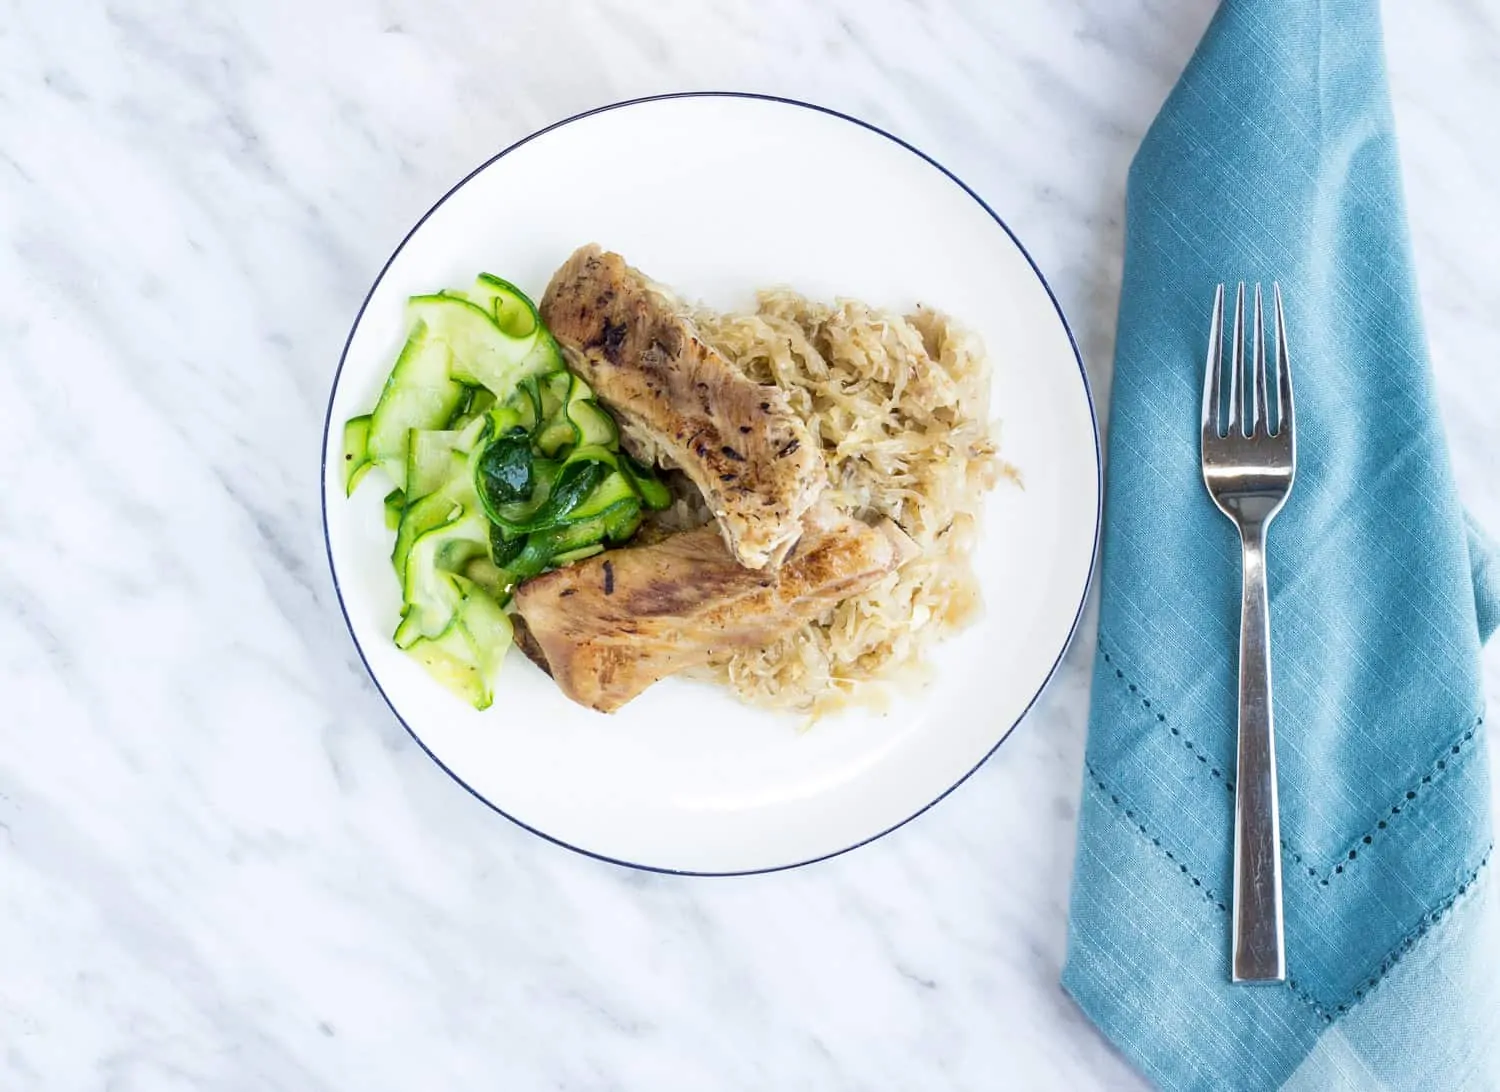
(222, 864)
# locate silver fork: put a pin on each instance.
(1248, 470)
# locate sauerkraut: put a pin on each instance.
(901, 407)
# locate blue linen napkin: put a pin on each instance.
(1275, 157)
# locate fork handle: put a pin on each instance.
(1258, 951)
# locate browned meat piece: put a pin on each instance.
(607, 628)
(748, 453)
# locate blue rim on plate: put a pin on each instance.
(1072, 342)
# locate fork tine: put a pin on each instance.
(1260, 406)
(1214, 369)
(1237, 366)
(1285, 412)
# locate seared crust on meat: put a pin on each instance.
(607, 628)
(679, 402)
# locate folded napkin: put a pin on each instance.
(1274, 158)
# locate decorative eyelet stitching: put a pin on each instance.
(1326, 1012)
(1321, 878)
(1129, 815)
(1161, 718)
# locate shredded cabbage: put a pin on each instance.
(901, 406)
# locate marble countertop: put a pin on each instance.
(223, 864)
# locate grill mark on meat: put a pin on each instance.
(613, 340)
(609, 578)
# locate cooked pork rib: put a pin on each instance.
(739, 441)
(607, 628)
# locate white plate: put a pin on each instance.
(716, 195)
